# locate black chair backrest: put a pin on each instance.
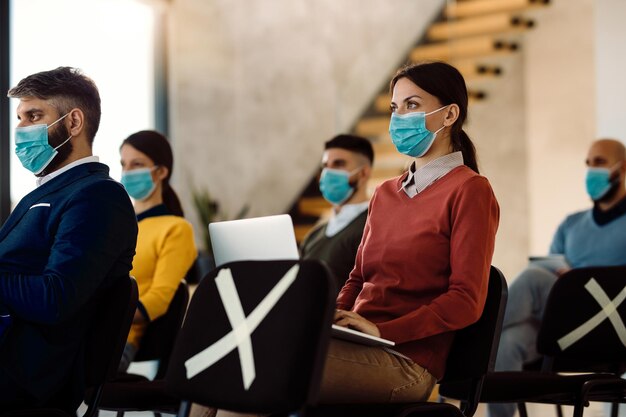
(474, 350)
(576, 327)
(109, 330)
(285, 306)
(158, 340)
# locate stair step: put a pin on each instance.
(313, 206)
(382, 147)
(480, 7)
(301, 230)
(383, 173)
(372, 126)
(481, 25)
(464, 48)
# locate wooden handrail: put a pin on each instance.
(481, 25)
(372, 126)
(480, 7)
(313, 206)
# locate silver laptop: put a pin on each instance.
(268, 238)
(259, 238)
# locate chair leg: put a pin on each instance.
(522, 409)
(185, 408)
(559, 410)
(579, 409)
(614, 409)
(157, 414)
(119, 414)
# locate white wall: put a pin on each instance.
(610, 64)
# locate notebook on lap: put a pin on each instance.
(356, 336)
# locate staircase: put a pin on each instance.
(472, 35)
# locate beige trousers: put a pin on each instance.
(357, 373)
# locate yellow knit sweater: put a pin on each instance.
(165, 252)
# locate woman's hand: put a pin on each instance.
(352, 320)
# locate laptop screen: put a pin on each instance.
(259, 238)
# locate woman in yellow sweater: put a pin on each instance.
(165, 243)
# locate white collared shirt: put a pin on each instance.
(418, 180)
(345, 216)
(42, 180)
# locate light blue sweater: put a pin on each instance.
(585, 243)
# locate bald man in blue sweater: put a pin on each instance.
(594, 237)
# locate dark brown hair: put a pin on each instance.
(352, 143)
(157, 147)
(66, 88)
(447, 84)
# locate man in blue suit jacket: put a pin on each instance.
(65, 242)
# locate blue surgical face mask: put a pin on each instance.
(32, 147)
(598, 182)
(409, 134)
(138, 183)
(335, 185)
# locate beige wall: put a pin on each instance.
(496, 126)
(610, 61)
(258, 86)
(533, 130)
(560, 114)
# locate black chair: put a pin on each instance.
(472, 356)
(131, 392)
(255, 337)
(104, 346)
(571, 341)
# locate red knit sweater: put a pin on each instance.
(422, 267)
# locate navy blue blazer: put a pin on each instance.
(63, 242)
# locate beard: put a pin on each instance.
(615, 184)
(55, 138)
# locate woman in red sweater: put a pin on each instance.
(422, 267)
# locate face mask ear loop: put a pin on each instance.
(58, 120)
(354, 171)
(613, 172)
(435, 111)
(64, 142)
(356, 183)
(619, 165)
(440, 129)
